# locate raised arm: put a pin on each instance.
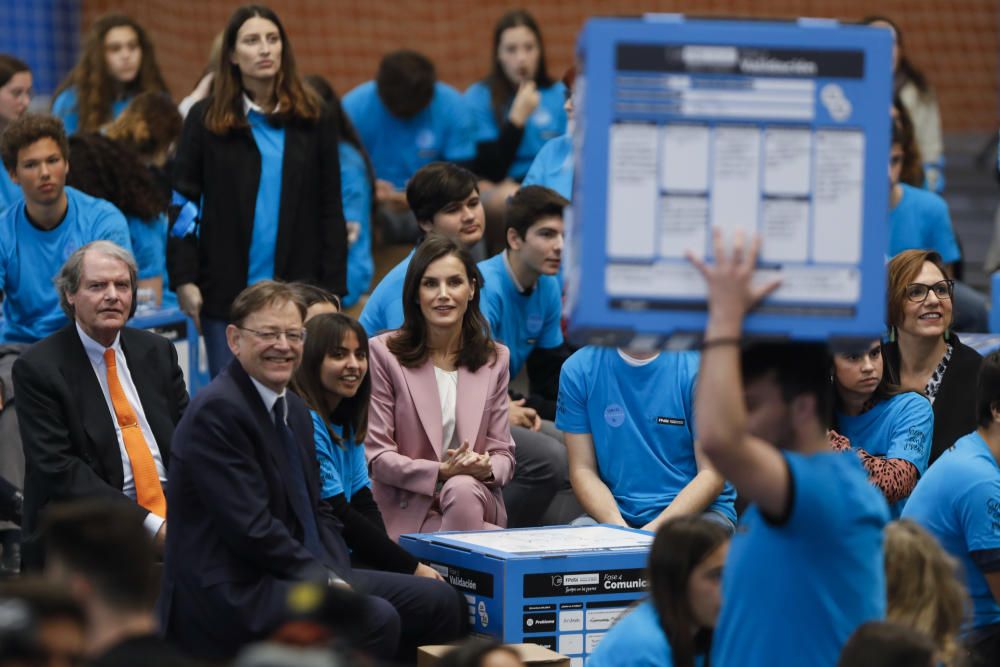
(754, 466)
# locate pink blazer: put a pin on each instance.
(404, 432)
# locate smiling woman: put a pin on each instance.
(439, 445)
(923, 354)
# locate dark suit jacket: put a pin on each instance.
(234, 546)
(70, 446)
(223, 172)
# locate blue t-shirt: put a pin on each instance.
(901, 427)
(149, 245)
(921, 222)
(65, 108)
(31, 257)
(553, 166)
(384, 309)
(270, 140)
(356, 194)
(958, 502)
(548, 121)
(641, 419)
(792, 593)
(399, 147)
(522, 322)
(636, 640)
(342, 467)
(10, 192)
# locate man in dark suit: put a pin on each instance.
(97, 402)
(246, 522)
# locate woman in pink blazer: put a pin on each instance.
(439, 446)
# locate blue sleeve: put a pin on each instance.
(149, 246)
(536, 172)
(372, 317)
(359, 465)
(571, 407)
(942, 234)
(979, 513)
(329, 475)
(65, 109)
(460, 145)
(911, 431)
(491, 305)
(354, 187)
(551, 335)
(353, 103)
(477, 98)
(814, 490)
(112, 226)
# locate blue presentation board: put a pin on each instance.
(561, 587)
(682, 125)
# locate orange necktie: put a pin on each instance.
(148, 491)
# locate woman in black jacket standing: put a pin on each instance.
(260, 157)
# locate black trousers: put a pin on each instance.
(403, 611)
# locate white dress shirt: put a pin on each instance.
(95, 354)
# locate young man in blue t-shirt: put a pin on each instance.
(958, 501)
(628, 419)
(407, 119)
(40, 232)
(520, 296)
(805, 567)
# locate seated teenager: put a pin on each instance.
(515, 109)
(923, 353)
(39, 232)
(808, 550)
(407, 119)
(444, 198)
(334, 382)
(632, 457)
(890, 430)
(439, 446)
(673, 628)
(318, 301)
(521, 300)
(957, 502)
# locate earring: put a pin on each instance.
(892, 333)
(947, 335)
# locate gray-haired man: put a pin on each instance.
(97, 402)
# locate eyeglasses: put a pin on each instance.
(917, 292)
(293, 337)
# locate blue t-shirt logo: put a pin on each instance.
(914, 440)
(426, 140)
(614, 415)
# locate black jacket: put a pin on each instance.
(955, 403)
(234, 547)
(70, 446)
(223, 172)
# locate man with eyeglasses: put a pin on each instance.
(246, 520)
(97, 401)
(919, 220)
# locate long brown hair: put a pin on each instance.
(148, 125)
(409, 344)
(502, 89)
(679, 546)
(95, 87)
(225, 108)
(325, 334)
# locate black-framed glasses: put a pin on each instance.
(917, 292)
(294, 336)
